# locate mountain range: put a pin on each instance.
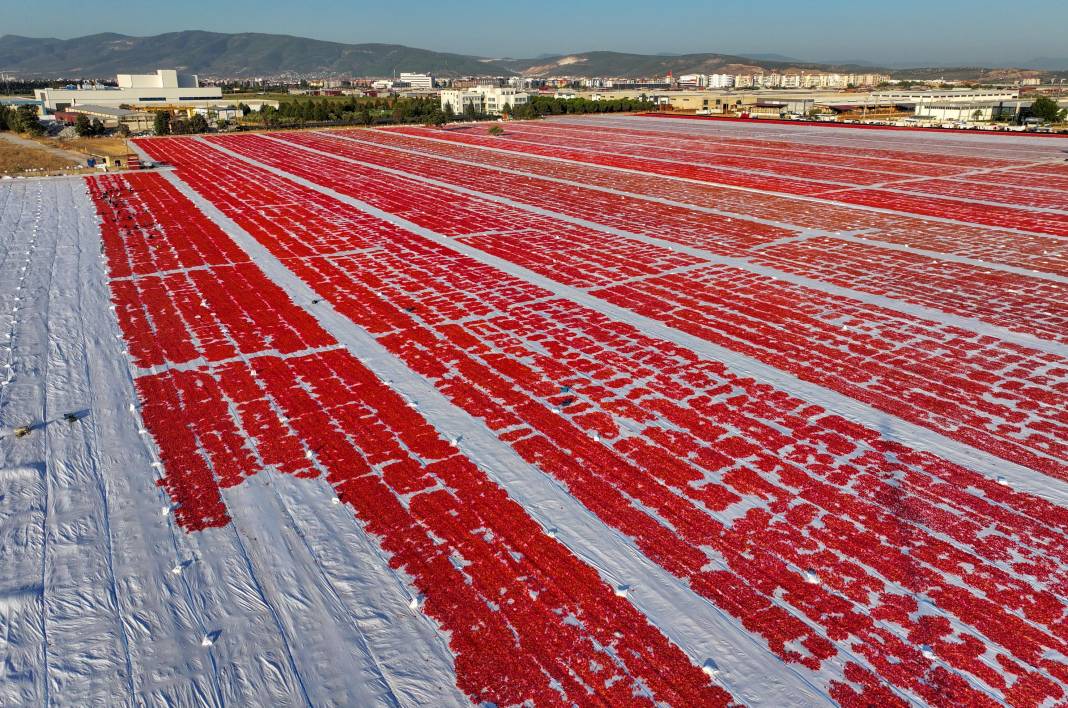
(252, 54)
(214, 54)
(218, 54)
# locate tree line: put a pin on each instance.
(351, 110)
(22, 87)
(391, 110)
(539, 106)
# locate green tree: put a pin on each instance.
(82, 126)
(162, 123)
(524, 111)
(26, 121)
(1048, 110)
(124, 130)
(495, 130)
(7, 118)
(198, 124)
(96, 127)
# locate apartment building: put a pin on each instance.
(800, 80)
(720, 81)
(417, 81)
(483, 99)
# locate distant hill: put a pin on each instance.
(766, 56)
(968, 73)
(637, 65)
(216, 54)
(1049, 63)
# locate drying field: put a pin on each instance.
(598, 411)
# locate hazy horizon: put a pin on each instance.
(910, 33)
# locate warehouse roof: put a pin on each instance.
(102, 111)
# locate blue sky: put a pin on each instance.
(905, 31)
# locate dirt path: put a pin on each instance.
(55, 151)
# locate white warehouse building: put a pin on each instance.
(482, 99)
(945, 96)
(164, 88)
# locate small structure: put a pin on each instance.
(768, 109)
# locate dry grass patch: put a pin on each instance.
(112, 147)
(17, 158)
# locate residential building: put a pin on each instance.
(720, 81)
(473, 82)
(483, 99)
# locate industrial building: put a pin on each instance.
(973, 111)
(901, 96)
(109, 117)
(164, 88)
(15, 102)
(482, 99)
(966, 112)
